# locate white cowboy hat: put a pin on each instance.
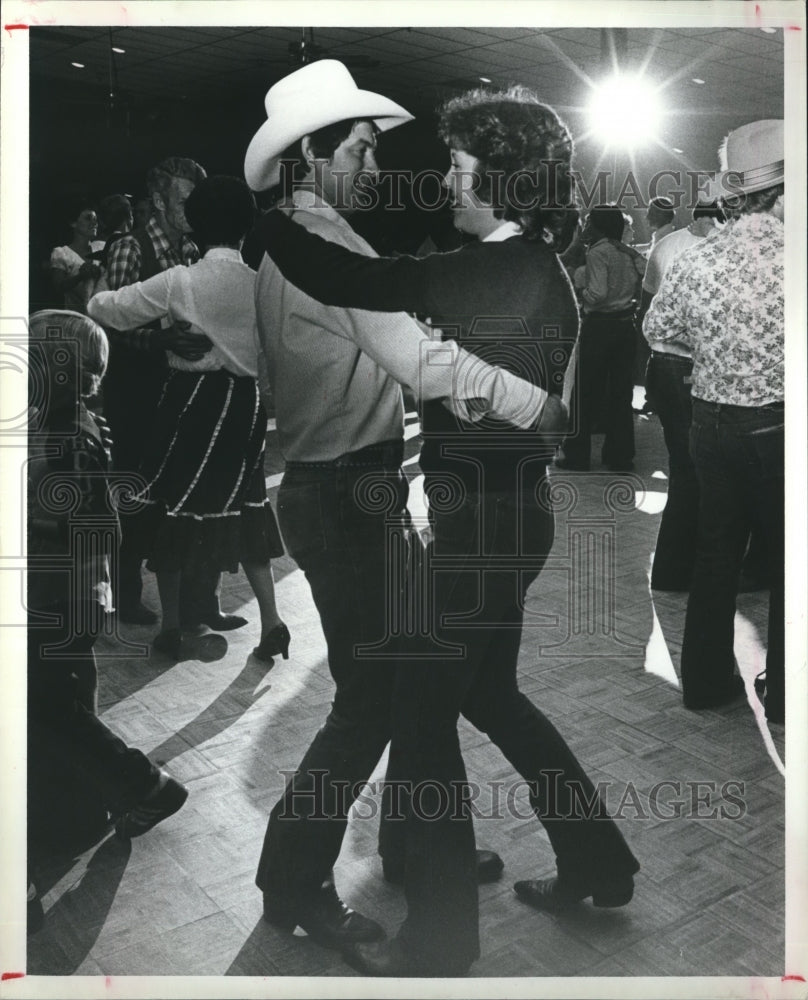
(320, 94)
(752, 157)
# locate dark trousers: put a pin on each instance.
(738, 452)
(605, 385)
(62, 681)
(668, 392)
(486, 553)
(132, 390)
(344, 525)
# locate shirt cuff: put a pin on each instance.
(481, 390)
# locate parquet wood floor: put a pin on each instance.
(709, 899)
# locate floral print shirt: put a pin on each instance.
(724, 299)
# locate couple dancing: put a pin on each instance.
(339, 344)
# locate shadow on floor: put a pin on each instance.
(74, 922)
(234, 701)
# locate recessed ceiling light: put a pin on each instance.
(697, 80)
(485, 79)
(676, 150)
(119, 51)
(78, 65)
(769, 31)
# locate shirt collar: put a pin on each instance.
(756, 224)
(308, 201)
(503, 232)
(223, 253)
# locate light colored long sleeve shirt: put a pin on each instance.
(216, 296)
(613, 275)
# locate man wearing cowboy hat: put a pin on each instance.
(724, 300)
(336, 378)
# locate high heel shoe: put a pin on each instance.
(275, 641)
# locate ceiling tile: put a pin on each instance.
(505, 33)
(430, 38)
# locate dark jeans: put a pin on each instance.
(343, 523)
(668, 392)
(738, 453)
(486, 553)
(605, 385)
(61, 712)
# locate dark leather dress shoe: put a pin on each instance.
(387, 959)
(489, 868)
(555, 894)
(326, 919)
(137, 614)
(167, 798)
(223, 623)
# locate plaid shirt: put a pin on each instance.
(123, 268)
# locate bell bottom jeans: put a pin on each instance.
(738, 452)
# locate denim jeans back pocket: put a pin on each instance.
(301, 519)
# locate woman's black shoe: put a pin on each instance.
(556, 894)
(274, 642)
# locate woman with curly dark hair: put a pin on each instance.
(507, 299)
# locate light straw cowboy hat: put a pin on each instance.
(752, 157)
(317, 95)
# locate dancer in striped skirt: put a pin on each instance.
(204, 501)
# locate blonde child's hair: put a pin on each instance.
(73, 326)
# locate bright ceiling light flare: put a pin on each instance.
(625, 112)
